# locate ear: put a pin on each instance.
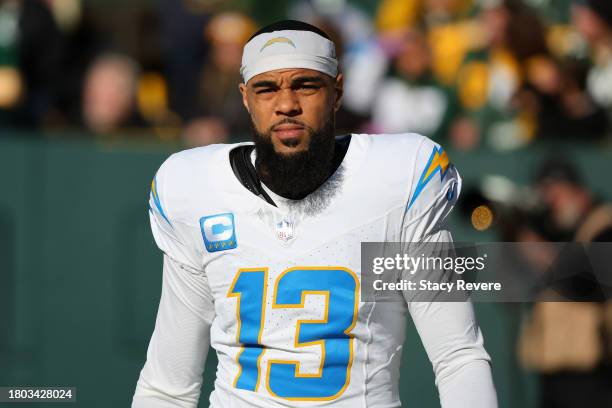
(245, 101)
(339, 88)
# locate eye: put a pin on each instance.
(308, 87)
(264, 91)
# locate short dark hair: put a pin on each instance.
(290, 25)
(558, 169)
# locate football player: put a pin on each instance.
(261, 246)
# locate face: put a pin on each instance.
(566, 201)
(108, 96)
(588, 23)
(290, 106)
(414, 59)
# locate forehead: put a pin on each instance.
(288, 74)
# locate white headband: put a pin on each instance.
(288, 49)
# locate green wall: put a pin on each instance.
(80, 275)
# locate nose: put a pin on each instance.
(288, 103)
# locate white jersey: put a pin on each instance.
(276, 290)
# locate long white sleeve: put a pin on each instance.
(449, 331)
(172, 374)
(455, 346)
(471, 387)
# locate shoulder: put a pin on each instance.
(419, 167)
(398, 155)
(188, 176)
(435, 182)
(186, 163)
(391, 140)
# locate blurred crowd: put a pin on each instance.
(500, 73)
(567, 335)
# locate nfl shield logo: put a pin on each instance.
(284, 230)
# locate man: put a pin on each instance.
(262, 252)
(593, 20)
(569, 341)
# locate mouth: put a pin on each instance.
(288, 132)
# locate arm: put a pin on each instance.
(454, 344)
(449, 331)
(172, 374)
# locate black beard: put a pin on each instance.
(296, 175)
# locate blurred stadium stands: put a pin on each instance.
(502, 73)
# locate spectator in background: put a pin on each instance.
(571, 204)
(33, 51)
(555, 94)
(448, 32)
(184, 51)
(453, 32)
(593, 19)
(45, 48)
(569, 343)
(109, 95)
(82, 42)
(491, 76)
(411, 99)
(220, 109)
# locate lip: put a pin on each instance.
(288, 131)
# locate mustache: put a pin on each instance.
(289, 121)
